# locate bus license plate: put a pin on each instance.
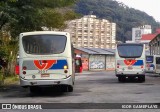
(151, 68)
(130, 67)
(44, 75)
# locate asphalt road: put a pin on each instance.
(91, 87)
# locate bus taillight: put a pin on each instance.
(65, 71)
(65, 67)
(24, 68)
(118, 65)
(24, 72)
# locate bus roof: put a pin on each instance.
(44, 32)
(153, 55)
(130, 44)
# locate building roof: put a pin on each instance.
(101, 51)
(86, 50)
(96, 50)
(110, 50)
(148, 36)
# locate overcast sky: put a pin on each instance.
(151, 7)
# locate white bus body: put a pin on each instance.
(153, 64)
(130, 61)
(46, 58)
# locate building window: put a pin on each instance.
(79, 30)
(102, 31)
(85, 25)
(79, 25)
(91, 31)
(79, 42)
(85, 42)
(91, 37)
(92, 26)
(85, 31)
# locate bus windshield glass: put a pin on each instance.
(149, 59)
(44, 44)
(130, 50)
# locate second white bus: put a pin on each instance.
(130, 61)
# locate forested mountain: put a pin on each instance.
(117, 12)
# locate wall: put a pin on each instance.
(110, 62)
(155, 45)
(85, 64)
(97, 62)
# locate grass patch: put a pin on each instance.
(14, 79)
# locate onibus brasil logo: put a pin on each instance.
(44, 65)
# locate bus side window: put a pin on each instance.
(157, 60)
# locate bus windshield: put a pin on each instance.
(44, 44)
(130, 50)
(149, 59)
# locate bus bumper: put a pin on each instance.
(127, 73)
(27, 83)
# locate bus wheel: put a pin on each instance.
(141, 78)
(121, 78)
(33, 89)
(131, 78)
(70, 88)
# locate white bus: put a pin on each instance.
(153, 64)
(46, 58)
(130, 61)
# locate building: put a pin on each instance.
(154, 44)
(139, 31)
(146, 38)
(96, 58)
(91, 32)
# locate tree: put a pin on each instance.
(18, 16)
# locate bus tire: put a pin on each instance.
(70, 88)
(141, 78)
(121, 78)
(131, 78)
(33, 89)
